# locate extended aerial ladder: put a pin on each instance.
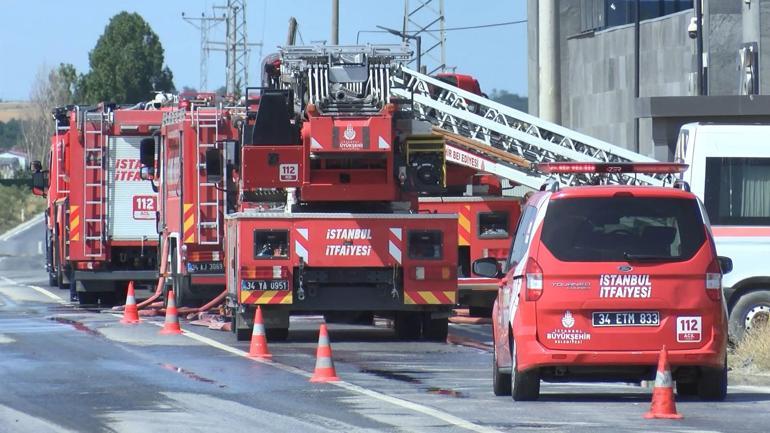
(485, 135)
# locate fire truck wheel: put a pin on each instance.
(241, 327)
(435, 329)
(88, 298)
(53, 281)
(501, 381)
(525, 385)
(277, 334)
(407, 325)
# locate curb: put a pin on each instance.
(736, 378)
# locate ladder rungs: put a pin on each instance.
(93, 220)
(93, 184)
(209, 203)
(93, 238)
(93, 202)
(207, 145)
(208, 224)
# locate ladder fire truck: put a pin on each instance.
(327, 215)
(101, 217)
(191, 212)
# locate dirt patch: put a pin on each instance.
(15, 110)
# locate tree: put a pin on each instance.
(126, 63)
(50, 89)
(510, 99)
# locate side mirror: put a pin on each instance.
(487, 267)
(147, 173)
(213, 165)
(36, 166)
(726, 264)
(147, 152)
(39, 183)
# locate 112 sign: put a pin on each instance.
(144, 207)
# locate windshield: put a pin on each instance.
(617, 229)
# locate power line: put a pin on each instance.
(482, 26)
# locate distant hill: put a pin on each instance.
(15, 110)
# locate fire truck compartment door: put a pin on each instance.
(272, 167)
(132, 203)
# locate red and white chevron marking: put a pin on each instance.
(301, 242)
(395, 236)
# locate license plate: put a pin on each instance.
(626, 318)
(264, 285)
(205, 267)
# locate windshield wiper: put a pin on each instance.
(647, 258)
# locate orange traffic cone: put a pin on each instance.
(172, 318)
(324, 365)
(130, 312)
(258, 347)
(663, 404)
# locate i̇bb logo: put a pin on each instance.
(144, 207)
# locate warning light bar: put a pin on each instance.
(611, 167)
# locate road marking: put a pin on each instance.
(21, 227)
(415, 407)
(37, 289)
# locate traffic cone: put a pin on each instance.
(258, 347)
(324, 365)
(130, 312)
(171, 326)
(663, 404)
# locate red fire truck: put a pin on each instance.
(486, 221)
(190, 217)
(101, 217)
(327, 215)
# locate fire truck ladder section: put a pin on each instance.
(94, 185)
(210, 197)
(491, 137)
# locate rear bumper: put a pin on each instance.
(531, 354)
(115, 275)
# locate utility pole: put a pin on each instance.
(204, 24)
(335, 39)
(425, 18)
(699, 48)
(549, 94)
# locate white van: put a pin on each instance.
(729, 170)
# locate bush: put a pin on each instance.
(753, 352)
(18, 204)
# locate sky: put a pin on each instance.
(40, 34)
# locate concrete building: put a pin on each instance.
(634, 83)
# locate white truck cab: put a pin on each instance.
(729, 170)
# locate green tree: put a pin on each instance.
(510, 99)
(126, 63)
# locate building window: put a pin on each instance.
(603, 14)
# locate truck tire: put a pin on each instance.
(241, 328)
(53, 280)
(712, 384)
(88, 298)
(501, 381)
(525, 385)
(277, 334)
(751, 308)
(407, 325)
(435, 329)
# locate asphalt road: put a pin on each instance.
(63, 368)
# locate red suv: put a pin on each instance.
(600, 278)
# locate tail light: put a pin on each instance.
(714, 281)
(534, 278)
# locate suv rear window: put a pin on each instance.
(610, 229)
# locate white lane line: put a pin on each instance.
(752, 388)
(38, 289)
(22, 227)
(415, 407)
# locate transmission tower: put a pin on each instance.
(236, 46)
(425, 18)
(204, 24)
